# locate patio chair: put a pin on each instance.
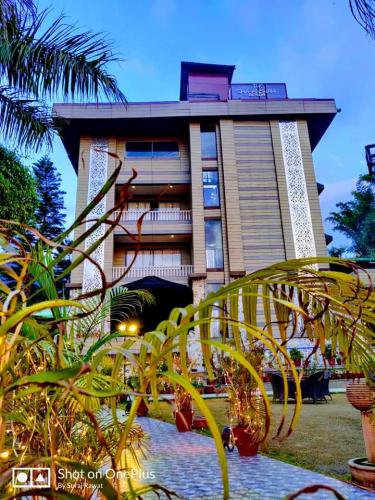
(327, 376)
(278, 387)
(316, 386)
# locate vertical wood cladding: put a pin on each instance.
(197, 210)
(230, 198)
(262, 234)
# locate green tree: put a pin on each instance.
(18, 195)
(356, 218)
(49, 214)
(38, 63)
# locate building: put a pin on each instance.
(227, 171)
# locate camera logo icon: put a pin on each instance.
(31, 477)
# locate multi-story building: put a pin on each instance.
(227, 171)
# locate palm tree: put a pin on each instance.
(364, 13)
(37, 64)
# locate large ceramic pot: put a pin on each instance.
(244, 442)
(184, 420)
(360, 395)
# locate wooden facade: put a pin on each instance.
(257, 224)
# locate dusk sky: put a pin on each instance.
(315, 46)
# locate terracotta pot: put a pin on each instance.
(243, 441)
(200, 423)
(142, 410)
(360, 395)
(184, 420)
(331, 361)
(368, 428)
(297, 362)
(363, 472)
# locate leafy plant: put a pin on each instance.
(39, 62)
(17, 189)
(247, 407)
(355, 218)
(295, 354)
(49, 384)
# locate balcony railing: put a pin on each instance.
(181, 271)
(170, 214)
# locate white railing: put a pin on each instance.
(160, 271)
(155, 215)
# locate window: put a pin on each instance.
(211, 196)
(214, 244)
(169, 149)
(138, 149)
(154, 258)
(156, 149)
(208, 143)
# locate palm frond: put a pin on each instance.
(58, 59)
(24, 122)
(364, 13)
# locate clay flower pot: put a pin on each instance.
(184, 420)
(360, 395)
(244, 442)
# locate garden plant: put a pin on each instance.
(54, 392)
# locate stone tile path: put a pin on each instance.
(186, 463)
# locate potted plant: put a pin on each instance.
(361, 394)
(198, 384)
(338, 360)
(246, 406)
(184, 410)
(296, 356)
(329, 355)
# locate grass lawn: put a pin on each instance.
(327, 435)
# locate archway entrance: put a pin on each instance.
(167, 295)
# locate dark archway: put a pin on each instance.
(167, 295)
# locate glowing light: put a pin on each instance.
(4, 454)
(133, 328)
(170, 186)
(172, 235)
(121, 327)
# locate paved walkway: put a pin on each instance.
(186, 463)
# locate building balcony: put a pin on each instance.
(173, 273)
(161, 215)
(158, 226)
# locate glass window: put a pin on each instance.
(139, 149)
(211, 196)
(214, 244)
(208, 143)
(147, 149)
(154, 258)
(166, 149)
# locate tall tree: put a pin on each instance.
(18, 195)
(38, 63)
(356, 218)
(49, 214)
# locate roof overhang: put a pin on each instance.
(172, 118)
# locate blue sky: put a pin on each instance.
(315, 46)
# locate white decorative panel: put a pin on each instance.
(303, 234)
(97, 178)
(194, 345)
